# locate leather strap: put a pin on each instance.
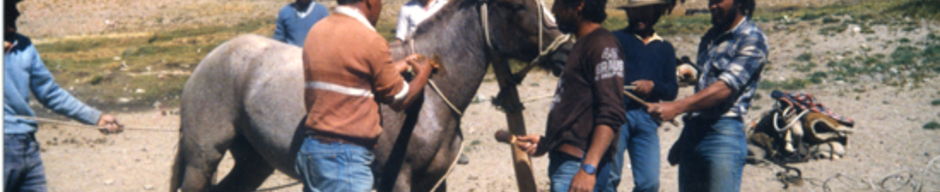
(570, 150)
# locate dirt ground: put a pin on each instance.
(889, 137)
(889, 140)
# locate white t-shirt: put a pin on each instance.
(412, 14)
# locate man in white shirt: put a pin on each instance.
(413, 13)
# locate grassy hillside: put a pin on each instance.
(134, 72)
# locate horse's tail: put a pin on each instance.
(177, 170)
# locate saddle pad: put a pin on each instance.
(804, 101)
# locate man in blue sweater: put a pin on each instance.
(650, 66)
(296, 19)
(24, 72)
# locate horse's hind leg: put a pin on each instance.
(202, 146)
(250, 169)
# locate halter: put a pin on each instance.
(556, 43)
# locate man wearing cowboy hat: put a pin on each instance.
(713, 145)
(652, 71)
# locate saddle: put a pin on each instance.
(687, 73)
(797, 129)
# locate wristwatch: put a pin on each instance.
(588, 168)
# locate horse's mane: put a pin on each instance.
(441, 16)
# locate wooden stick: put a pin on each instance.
(508, 138)
(644, 103)
(516, 121)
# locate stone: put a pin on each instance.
(148, 187)
(108, 181)
(855, 29)
(139, 91)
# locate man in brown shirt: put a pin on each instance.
(588, 107)
(348, 69)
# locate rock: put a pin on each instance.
(139, 91)
(117, 58)
(108, 181)
(463, 159)
(855, 29)
(148, 187)
(478, 99)
(124, 100)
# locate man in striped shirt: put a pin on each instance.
(713, 144)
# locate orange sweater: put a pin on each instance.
(347, 69)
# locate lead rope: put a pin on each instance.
(74, 124)
(437, 89)
(453, 108)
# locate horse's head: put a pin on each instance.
(522, 29)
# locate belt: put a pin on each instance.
(570, 150)
(329, 139)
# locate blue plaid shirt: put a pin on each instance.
(736, 57)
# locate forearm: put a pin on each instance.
(602, 138)
(415, 88)
(710, 96)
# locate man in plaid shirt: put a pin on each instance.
(713, 145)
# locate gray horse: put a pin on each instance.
(246, 96)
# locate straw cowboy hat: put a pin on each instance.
(620, 4)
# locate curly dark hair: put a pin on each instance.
(593, 9)
(747, 6)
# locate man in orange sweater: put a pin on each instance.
(347, 72)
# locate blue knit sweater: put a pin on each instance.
(24, 72)
(655, 61)
(293, 24)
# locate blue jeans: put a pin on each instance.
(22, 167)
(334, 166)
(639, 137)
(713, 153)
(562, 168)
